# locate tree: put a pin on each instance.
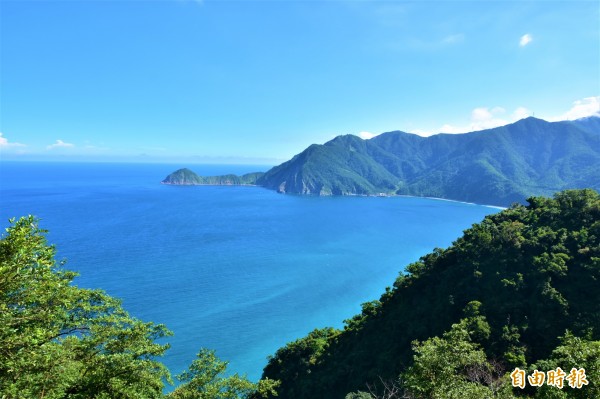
(205, 380)
(455, 366)
(573, 352)
(61, 341)
(298, 359)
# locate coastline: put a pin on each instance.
(465, 202)
(208, 184)
(378, 195)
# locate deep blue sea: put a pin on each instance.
(242, 270)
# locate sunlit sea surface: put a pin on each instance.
(242, 270)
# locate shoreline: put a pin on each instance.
(470, 203)
(209, 184)
(378, 195)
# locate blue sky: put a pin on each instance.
(258, 81)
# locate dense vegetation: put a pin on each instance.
(61, 341)
(496, 166)
(520, 289)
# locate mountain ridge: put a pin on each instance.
(496, 166)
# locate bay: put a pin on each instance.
(242, 270)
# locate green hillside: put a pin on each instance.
(499, 298)
(497, 166)
(342, 166)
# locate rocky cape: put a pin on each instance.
(186, 177)
(496, 166)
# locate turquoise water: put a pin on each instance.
(242, 270)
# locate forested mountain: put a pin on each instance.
(497, 166)
(520, 289)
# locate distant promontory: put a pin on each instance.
(186, 177)
(497, 166)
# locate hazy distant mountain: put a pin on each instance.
(496, 166)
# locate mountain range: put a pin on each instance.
(496, 166)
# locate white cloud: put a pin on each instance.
(366, 135)
(451, 129)
(484, 118)
(422, 132)
(5, 144)
(581, 108)
(525, 40)
(60, 144)
(487, 118)
(520, 113)
(481, 114)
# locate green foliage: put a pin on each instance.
(454, 366)
(205, 379)
(519, 279)
(297, 359)
(573, 352)
(359, 395)
(369, 309)
(60, 341)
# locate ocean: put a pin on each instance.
(242, 270)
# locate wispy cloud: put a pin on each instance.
(483, 118)
(581, 108)
(5, 144)
(60, 144)
(525, 40)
